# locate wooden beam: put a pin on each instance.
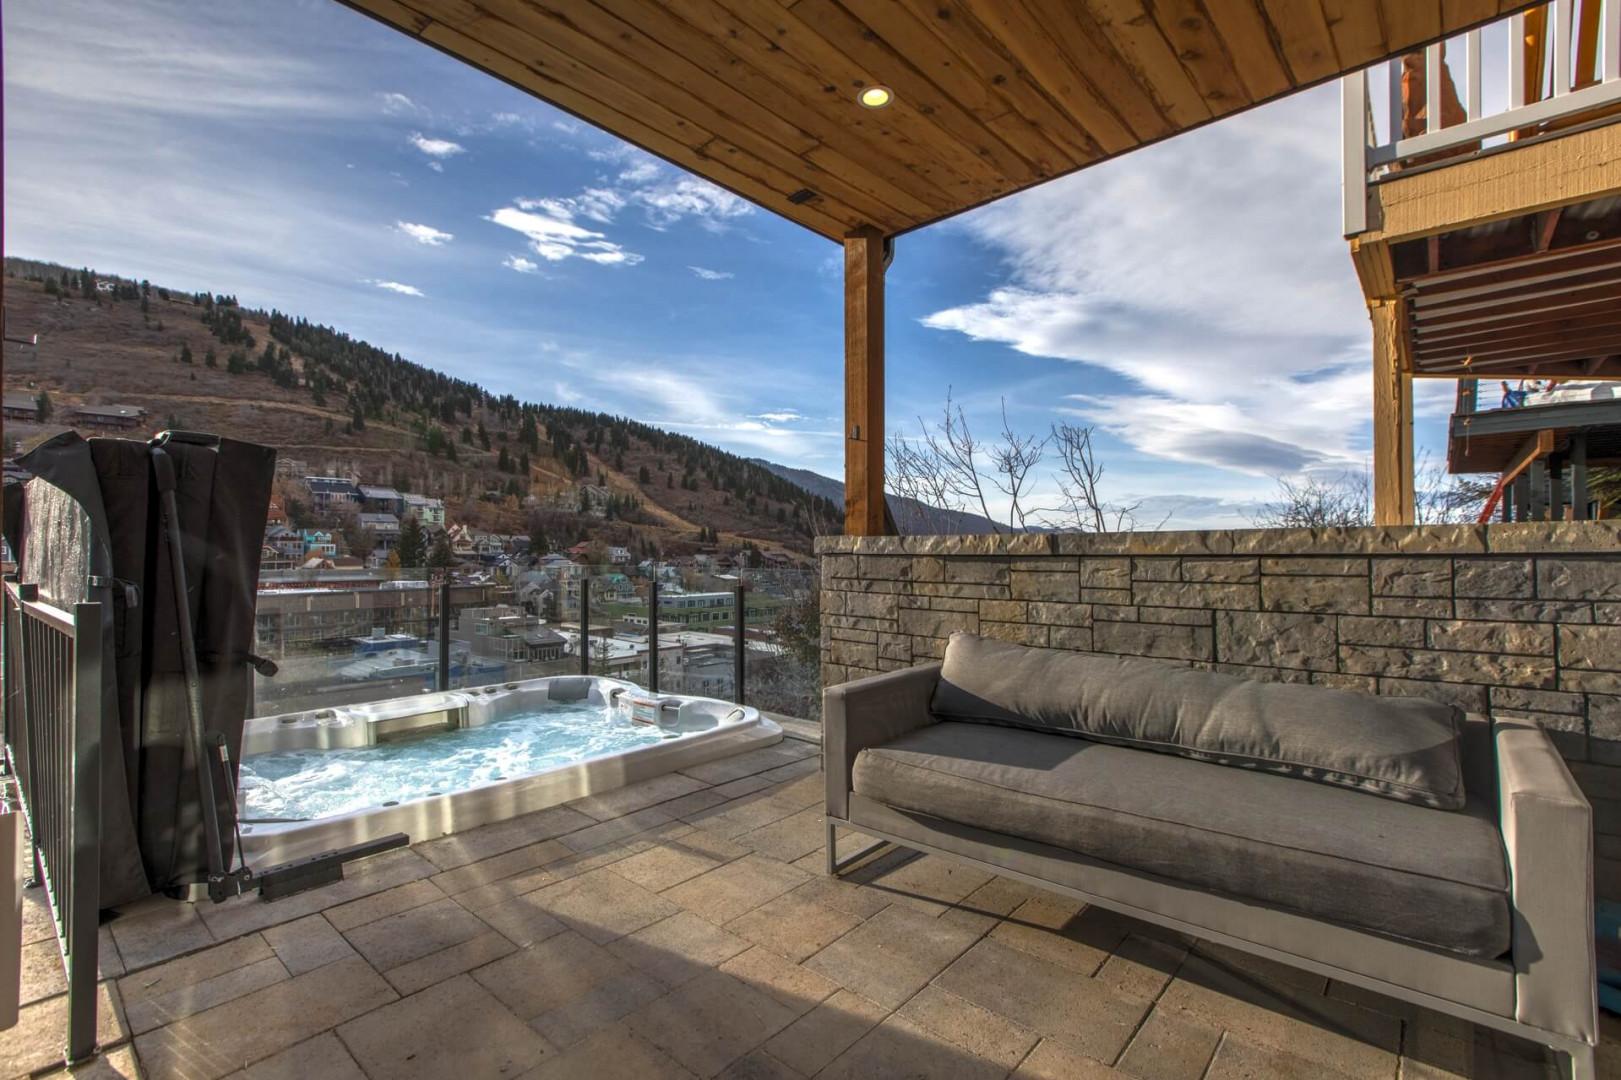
(1547, 222)
(864, 506)
(1393, 501)
(1571, 168)
(1536, 447)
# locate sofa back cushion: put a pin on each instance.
(1399, 748)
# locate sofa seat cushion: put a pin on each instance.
(1400, 748)
(1428, 876)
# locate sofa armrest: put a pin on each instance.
(1548, 835)
(870, 712)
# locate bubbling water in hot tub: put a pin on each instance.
(301, 785)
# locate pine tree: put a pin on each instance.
(411, 545)
(43, 404)
(503, 461)
(441, 557)
(185, 354)
(359, 418)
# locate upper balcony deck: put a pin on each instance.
(1489, 440)
(1493, 216)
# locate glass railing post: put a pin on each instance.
(653, 636)
(444, 635)
(585, 625)
(737, 645)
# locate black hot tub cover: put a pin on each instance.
(88, 527)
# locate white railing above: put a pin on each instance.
(1370, 152)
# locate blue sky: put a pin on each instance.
(1194, 301)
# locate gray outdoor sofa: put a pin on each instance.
(1391, 843)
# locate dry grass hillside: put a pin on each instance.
(671, 493)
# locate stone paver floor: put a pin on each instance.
(683, 928)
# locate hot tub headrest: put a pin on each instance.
(569, 688)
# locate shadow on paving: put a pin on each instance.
(683, 928)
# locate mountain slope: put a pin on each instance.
(911, 516)
(335, 405)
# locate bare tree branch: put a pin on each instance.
(1013, 460)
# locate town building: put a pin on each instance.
(375, 499)
(319, 542)
(117, 417)
(508, 633)
(430, 513)
(326, 616)
(384, 528)
(22, 407)
(329, 494)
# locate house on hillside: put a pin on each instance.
(555, 564)
(273, 558)
(619, 556)
(430, 513)
(375, 499)
(384, 528)
(22, 407)
(117, 417)
(274, 514)
(329, 494)
(286, 542)
(319, 543)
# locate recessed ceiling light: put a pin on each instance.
(875, 97)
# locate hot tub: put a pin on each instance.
(437, 763)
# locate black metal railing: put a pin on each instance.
(53, 720)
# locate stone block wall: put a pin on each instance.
(1519, 620)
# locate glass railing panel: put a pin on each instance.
(783, 634)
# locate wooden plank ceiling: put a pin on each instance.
(991, 96)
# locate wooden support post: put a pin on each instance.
(864, 384)
(1393, 501)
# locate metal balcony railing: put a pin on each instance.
(53, 722)
(1562, 60)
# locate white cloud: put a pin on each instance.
(520, 264)
(1235, 320)
(667, 204)
(398, 287)
(436, 148)
(146, 61)
(641, 172)
(554, 236)
(424, 234)
(781, 416)
(597, 204)
(397, 104)
(711, 275)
